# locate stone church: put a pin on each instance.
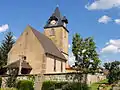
(35, 52)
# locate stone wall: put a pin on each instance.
(73, 77)
(69, 77)
(95, 78)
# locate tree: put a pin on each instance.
(6, 45)
(114, 71)
(85, 53)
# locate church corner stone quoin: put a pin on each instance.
(43, 52)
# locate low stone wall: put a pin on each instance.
(95, 78)
(69, 77)
(73, 77)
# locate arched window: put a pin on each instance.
(61, 66)
(54, 65)
(52, 32)
(65, 33)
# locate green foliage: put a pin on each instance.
(25, 85)
(11, 81)
(47, 84)
(6, 45)
(85, 54)
(8, 89)
(101, 83)
(32, 78)
(75, 86)
(114, 71)
(86, 57)
(51, 85)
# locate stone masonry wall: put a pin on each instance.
(59, 77)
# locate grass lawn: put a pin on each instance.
(94, 86)
(8, 89)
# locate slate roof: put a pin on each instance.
(16, 64)
(60, 19)
(48, 45)
(57, 13)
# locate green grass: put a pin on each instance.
(94, 86)
(8, 89)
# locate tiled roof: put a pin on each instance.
(48, 45)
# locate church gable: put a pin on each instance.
(23, 42)
(29, 46)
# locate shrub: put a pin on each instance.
(48, 85)
(75, 86)
(60, 84)
(25, 85)
(51, 85)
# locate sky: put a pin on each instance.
(97, 18)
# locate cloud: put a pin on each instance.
(71, 59)
(4, 28)
(117, 21)
(113, 46)
(104, 19)
(103, 4)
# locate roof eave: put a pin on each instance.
(56, 26)
(56, 56)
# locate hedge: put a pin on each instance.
(25, 85)
(75, 86)
(51, 85)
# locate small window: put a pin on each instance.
(54, 65)
(64, 34)
(24, 57)
(44, 60)
(61, 66)
(52, 32)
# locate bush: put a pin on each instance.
(25, 85)
(51, 85)
(75, 86)
(60, 84)
(47, 84)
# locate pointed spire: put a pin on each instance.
(57, 13)
(57, 18)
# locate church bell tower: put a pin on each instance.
(56, 30)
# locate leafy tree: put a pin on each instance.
(6, 45)
(114, 71)
(85, 54)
